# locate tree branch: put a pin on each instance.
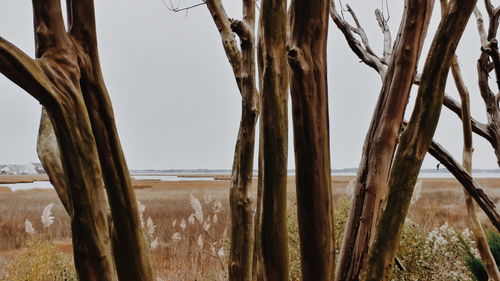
(229, 41)
(25, 72)
(49, 26)
(357, 47)
(474, 189)
(382, 23)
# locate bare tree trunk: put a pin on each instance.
(415, 141)
(241, 252)
(309, 91)
(273, 71)
(242, 61)
(257, 262)
(66, 79)
(50, 157)
(131, 252)
(381, 140)
(475, 224)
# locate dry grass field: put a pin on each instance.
(186, 246)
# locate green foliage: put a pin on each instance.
(474, 263)
(40, 261)
(494, 243)
(436, 255)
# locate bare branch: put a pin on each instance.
(229, 41)
(474, 189)
(477, 127)
(382, 23)
(49, 26)
(489, 7)
(25, 72)
(366, 57)
(172, 8)
(480, 27)
(359, 30)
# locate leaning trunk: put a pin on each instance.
(415, 141)
(309, 91)
(381, 140)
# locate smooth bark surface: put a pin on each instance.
(474, 223)
(273, 71)
(50, 157)
(415, 141)
(309, 92)
(67, 80)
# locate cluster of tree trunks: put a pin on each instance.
(79, 147)
(78, 141)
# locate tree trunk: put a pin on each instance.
(66, 79)
(131, 252)
(241, 252)
(474, 223)
(257, 262)
(50, 157)
(273, 71)
(381, 140)
(309, 91)
(415, 141)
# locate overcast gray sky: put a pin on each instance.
(175, 99)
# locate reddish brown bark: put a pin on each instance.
(381, 140)
(415, 141)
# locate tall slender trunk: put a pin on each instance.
(415, 141)
(474, 223)
(381, 140)
(273, 71)
(309, 91)
(241, 251)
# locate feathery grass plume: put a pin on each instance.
(176, 236)
(191, 219)
(47, 218)
(142, 208)
(174, 223)
(217, 207)
(28, 227)
(200, 241)
(417, 192)
(221, 252)
(150, 227)
(208, 198)
(154, 243)
(198, 210)
(183, 224)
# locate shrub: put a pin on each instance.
(474, 263)
(40, 261)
